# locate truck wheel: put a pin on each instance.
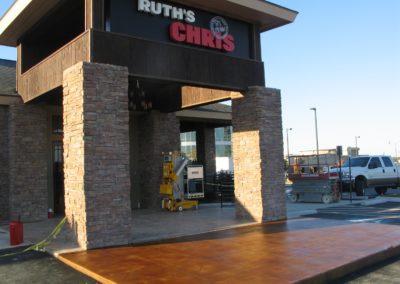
(294, 197)
(327, 198)
(360, 187)
(381, 190)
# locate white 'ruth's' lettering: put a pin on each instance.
(166, 10)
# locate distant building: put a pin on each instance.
(353, 151)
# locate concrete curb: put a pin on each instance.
(354, 266)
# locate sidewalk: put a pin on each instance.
(147, 225)
(298, 250)
(153, 225)
(35, 232)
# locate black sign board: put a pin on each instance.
(175, 23)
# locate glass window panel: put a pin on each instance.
(387, 162)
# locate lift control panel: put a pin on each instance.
(194, 185)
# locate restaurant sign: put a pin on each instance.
(183, 28)
(167, 21)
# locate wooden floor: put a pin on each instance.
(284, 252)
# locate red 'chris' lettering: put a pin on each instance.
(229, 43)
(193, 35)
(190, 34)
(207, 38)
(177, 32)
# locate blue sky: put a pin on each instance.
(342, 57)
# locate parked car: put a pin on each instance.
(379, 172)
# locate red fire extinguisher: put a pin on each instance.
(50, 213)
(16, 232)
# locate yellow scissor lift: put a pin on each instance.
(172, 187)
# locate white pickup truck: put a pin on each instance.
(380, 172)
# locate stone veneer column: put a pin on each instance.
(258, 155)
(96, 154)
(210, 151)
(159, 132)
(28, 144)
(4, 168)
(206, 153)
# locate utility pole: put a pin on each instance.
(316, 134)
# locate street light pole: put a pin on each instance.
(316, 134)
(357, 145)
(287, 145)
(395, 150)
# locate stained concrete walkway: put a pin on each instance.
(300, 250)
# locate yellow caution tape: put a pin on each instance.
(41, 245)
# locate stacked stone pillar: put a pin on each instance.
(160, 133)
(257, 142)
(206, 153)
(96, 154)
(4, 168)
(28, 166)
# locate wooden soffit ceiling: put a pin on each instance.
(22, 16)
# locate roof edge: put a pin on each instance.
(12, 13)
(8, 63)
(25, 13)
(269, 8)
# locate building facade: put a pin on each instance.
(100, 86)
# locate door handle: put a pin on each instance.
(383, 170)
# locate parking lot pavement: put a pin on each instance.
(298, 209)
(387, 212)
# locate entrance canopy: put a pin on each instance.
(24, 14)
(179, 53)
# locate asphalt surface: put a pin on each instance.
(37, 267)
(386, 272)
(384, 213)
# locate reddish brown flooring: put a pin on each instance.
(284, 252)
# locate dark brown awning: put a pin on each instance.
(24, 14)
